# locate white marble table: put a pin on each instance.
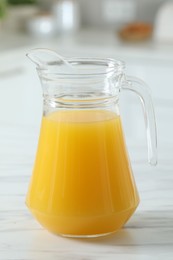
(148, 235)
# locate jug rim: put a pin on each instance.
(83, 67)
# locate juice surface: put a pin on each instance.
(82, 181)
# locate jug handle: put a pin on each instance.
(141, 89)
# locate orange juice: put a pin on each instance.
(82, 182)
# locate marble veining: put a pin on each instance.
(148, 235)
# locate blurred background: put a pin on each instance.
(96, 13)
(140, 32)
(18, 15)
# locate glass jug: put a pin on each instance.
(82, 183)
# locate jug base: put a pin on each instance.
(88, 236)
(84, 227)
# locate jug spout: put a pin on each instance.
(44, 57)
